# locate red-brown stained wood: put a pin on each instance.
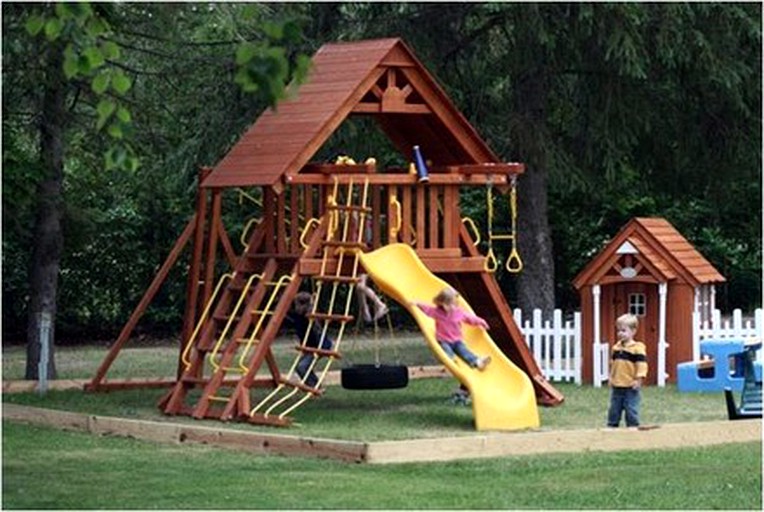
(282, 141)
(663, 256)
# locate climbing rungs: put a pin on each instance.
(349, 208)
(301, 386)
(216, 398)
(502, 237)
(318, 351)
(261, 312)
(246, 340)
(330, 317)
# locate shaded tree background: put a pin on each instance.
(618, 110)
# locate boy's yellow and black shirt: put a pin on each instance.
(628, 362)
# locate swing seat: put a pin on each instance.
(372, 376)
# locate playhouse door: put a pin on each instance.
(641, 299)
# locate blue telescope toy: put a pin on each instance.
(421, 168)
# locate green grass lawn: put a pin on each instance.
(421, 410)
(44, 468)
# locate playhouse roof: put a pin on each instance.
(380, 77)
(664, 250)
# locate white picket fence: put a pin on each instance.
(720, 329)
(555, 345)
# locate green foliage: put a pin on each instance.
(649, 110)
(265, 67)
(89, 54)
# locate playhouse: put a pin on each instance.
(648, 269)
(312, 232)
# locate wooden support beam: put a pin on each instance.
(435, 227)
(268, 219)
(212, 246)
(294, 220)
(421, 233)
(397, 179)
(194, 272)
(281, 224)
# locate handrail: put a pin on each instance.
(467, 221)
(184, 356)
(245, 231)
(305, 230)
(393, 229)
(219, 343)
(264, 313)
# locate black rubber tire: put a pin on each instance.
(370, 376)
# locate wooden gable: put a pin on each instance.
(381, 78)
(648, 250)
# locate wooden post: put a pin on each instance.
(192, 287)
(212, 247)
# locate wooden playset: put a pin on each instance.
(314, 227)
(648, 269)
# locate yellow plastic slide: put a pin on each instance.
(502, 394)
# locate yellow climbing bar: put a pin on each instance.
(187, 350)
(231, 317)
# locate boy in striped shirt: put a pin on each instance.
(628, 368)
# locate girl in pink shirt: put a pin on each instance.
(448, 326)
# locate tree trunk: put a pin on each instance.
(535, 284)
(48, 235)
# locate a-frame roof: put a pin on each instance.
(668, 253)
(379, 77)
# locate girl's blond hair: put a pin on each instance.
(446, 296)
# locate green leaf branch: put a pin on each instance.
(89, 54)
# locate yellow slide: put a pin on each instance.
(502, 394)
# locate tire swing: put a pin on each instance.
(376, 375)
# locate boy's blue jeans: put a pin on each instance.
(460, 349)
(623, 400)
(306, 360)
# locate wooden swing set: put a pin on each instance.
(312, 227)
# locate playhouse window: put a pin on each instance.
(637, 304)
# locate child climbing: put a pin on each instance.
(448, 326)
(298, 316)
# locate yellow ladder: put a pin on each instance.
(343, 240)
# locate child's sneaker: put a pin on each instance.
(483, 362)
